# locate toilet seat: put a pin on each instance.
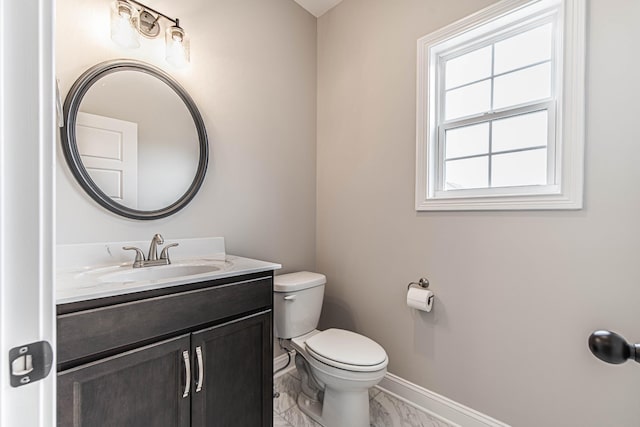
(346, 350)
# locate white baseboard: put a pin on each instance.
(419, 397)
(433, 403)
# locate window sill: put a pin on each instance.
(500, 203)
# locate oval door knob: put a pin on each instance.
(612, 348)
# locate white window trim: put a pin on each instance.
(568, 191)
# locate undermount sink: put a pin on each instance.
(156, 273)
(101, 270)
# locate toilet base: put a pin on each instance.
(338, 408)
(345, 408)
(311, 408)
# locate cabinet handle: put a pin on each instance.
(187, 371)
(200, 369)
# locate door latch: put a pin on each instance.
(30, 362)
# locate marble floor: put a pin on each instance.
(385, 410)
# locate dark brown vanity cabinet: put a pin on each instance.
(200, 356)
(135, 388)
(233, 362)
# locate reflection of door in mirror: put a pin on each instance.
(168, 149)
(109, 151)
(151, 170)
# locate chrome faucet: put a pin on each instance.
(152, 258)
(153, 247)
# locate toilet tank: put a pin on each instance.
(297, 302)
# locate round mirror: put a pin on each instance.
(134, 139)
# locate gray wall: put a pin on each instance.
(253, 77)
(517, 292)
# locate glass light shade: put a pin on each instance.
(177, 45)
(124, 23)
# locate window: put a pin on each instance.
(500, 120)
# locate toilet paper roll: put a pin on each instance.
(421, 299)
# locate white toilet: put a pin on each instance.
(337, 367)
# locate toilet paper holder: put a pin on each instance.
(423, 283)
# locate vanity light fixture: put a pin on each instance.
(124, 24)
(177, 46)
(129, 18)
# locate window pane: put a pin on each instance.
(521, 168)
(468, 68)
(524, 49)
(467, 141)
(467, 173)
(527, 130)
(530, 84)
(468, 100)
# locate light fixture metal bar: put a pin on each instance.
(147, 8)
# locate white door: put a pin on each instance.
(109, 151)
(27, 141)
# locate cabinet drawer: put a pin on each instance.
(84, 334)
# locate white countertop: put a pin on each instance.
(83, 270)
(81, 284)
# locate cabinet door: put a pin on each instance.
(233, 371)
(142, 387)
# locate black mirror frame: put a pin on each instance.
(72, 155)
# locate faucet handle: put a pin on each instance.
(165, 252)
(139, 255)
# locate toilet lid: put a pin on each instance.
(347, 350)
